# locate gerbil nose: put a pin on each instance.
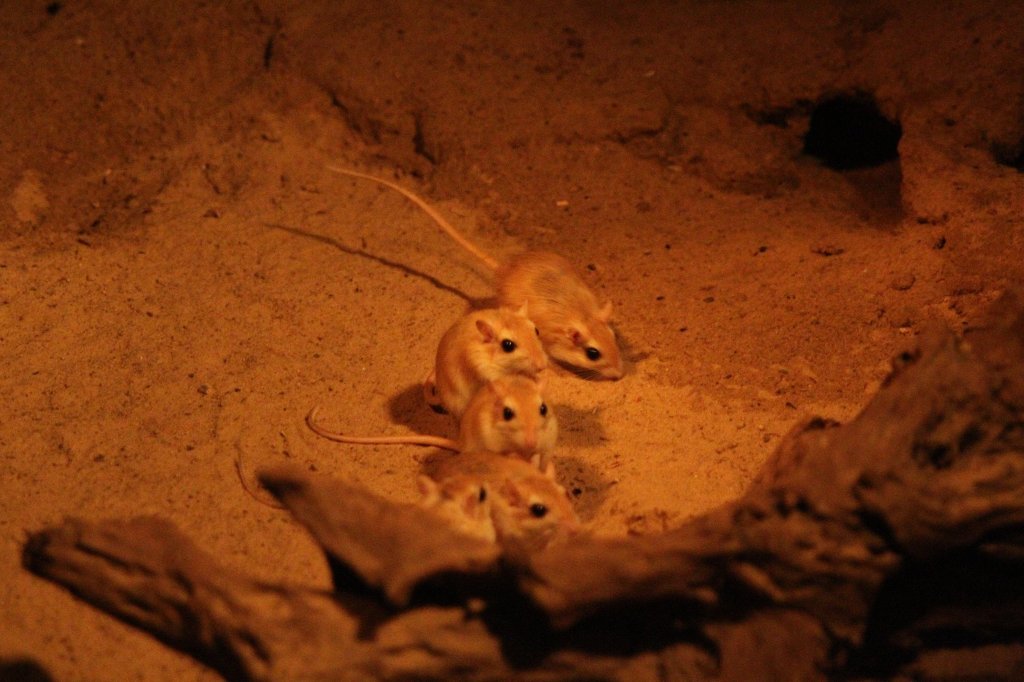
(530, 440)
(569, 529)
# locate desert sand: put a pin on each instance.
(182, 278)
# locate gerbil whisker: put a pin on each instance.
(582, 372)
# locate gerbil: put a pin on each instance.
(528, 507)
(507, 415)
(573, 325)
(480, 347)
(463, 503)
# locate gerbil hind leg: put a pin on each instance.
(430, 394)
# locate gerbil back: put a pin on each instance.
(573, 327)
(482, 346)
(544, 279)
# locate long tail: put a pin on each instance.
(429, 210)
(416, 439)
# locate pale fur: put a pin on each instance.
(564, 309)
(483, 426)
(470, 354)
(515, 487)
(462, 502)
(566, 312)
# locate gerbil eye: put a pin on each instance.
(593, 353)
(543, 410)
(508, 345)
(508, 414)
(483, 494)
(536, 331)
(538, 510)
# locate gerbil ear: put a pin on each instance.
(486, 330)
(605, 313)
(542, 382)
(549, 470)
(524, 310)
(429, 489)
(473, 499)
(576, 337)
(510, 492)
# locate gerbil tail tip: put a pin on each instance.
(240, 470)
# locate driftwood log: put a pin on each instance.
(890, 546)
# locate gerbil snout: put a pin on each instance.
(592, 373)
(530, 441)
(603, 357)
(613, 373)
(588, 350)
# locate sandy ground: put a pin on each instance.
(181, 278)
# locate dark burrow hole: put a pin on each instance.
(848, 131)
(1012, 156)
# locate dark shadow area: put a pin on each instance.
(1010, 155)
(626, 629)
(966, 600)
(377, 259)
(22, 670)
(848, 131)
(587, 488)
(579, 428)
(408, 407)
(630, 353)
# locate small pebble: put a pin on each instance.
(827, 250)
(903, 282)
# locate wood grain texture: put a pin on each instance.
(867, 549)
